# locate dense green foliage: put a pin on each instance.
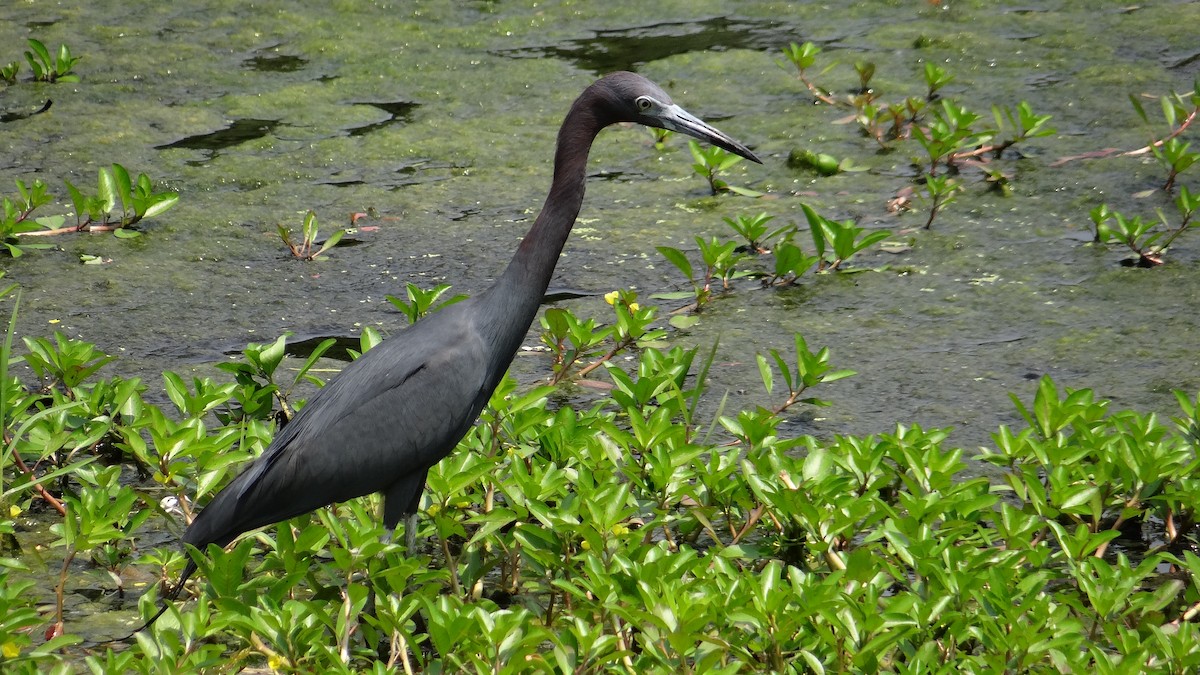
(630, 535)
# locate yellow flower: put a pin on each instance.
(610, 298)
(11, 650)
(633, 307)
(14, 511)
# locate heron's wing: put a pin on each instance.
(392, 413)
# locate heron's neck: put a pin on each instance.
(518, 292)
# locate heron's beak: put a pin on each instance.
(674, 118)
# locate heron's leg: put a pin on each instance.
(410, 534)
(402, 501)
(383, 649)
(383, 644)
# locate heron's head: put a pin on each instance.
(633, 98)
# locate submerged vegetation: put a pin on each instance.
(953, 138)
(949, 134)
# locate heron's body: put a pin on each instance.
(364, 432)
(381, 423)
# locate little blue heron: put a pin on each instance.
(381, 423)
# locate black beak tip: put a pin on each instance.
(741, 150)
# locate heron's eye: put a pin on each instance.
(644, 103)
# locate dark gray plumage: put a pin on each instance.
(381, 423)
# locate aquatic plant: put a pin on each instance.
(1171, 151)
(1149, 239)
(93, 212)
(137, 199)
(949, 134)
(719, 259)
(572, 341)
(17, 217)
(660, 136)
(711, 162)
(256, 374)
(820, 163)
(951, 138)
(1176, 155)
(421, 302)
(836, 242)
(808, 370)
(803, 57)
(8, 72)
(754, 230)
(47, 68)
(791, 263)
(939, 192)
(308, 248)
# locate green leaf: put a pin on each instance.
(817, 464)
(1138, 108)
(332, 241)
(63, 66)
(678, 259)
(837, 375)
(1079, 498)
(107, 192)
(674, 295)
(272, 355)
(124, 188)
(161, 203)
(745, 192)
(764, 371)
(876, 236)
(684, 321)
(310, 227)
(77, 200)
(1169, 111)
(40, 50)
(51, 222)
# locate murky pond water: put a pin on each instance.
(439, 119)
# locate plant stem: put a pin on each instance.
(85, 227)
(617, 349)
(41, 490)
(1187, 121)
(62, 582)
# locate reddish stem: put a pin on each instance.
(42, 491)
